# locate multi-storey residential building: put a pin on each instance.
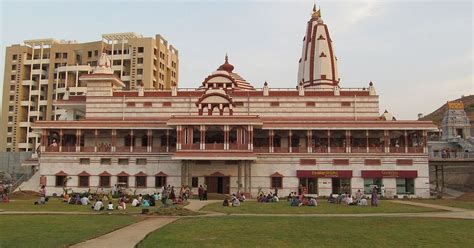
(318, 138)
(43, 70)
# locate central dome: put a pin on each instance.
(226, 66)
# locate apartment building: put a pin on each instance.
(43, 70)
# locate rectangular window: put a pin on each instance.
(104, 181)
(14, 57)
(277, 182)
(160, 181)
(405, 186)
(83, 181)
(139, 71)
(147, 104)
(64, 55)
(167, 104)
(310, 104)
(60, 181)
(141, 161)
(123, 180)
(140, 61)
(13, 67)
(194, 182)
(141, 49)
(105, 161)
(274, 104)
(10, 129)
(89, 54)
(116, 62)
(13, 77)
(96, 52)
(140, 181)
(123, 161)
(57, 55)
(345, 104)
(370, 183)
(84, 161)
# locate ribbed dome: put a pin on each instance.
(226, 66)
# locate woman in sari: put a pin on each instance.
(375, 197)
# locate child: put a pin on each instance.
(110, 206)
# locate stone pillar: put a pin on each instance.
(309, 139)
(250, 176)
(270, 140)
(114, 140)
(406, 141)
(246, 179)
(348, 141)
(149, 140)
(78, 140)
(239, 176)
(96, 132)
(290, 134)
(60, 142)
(202, 129)
(386, 141)
(183, 171)
(132, 140)
(367, 140)
(226, 137)
(250, 141)
(329, 141)
(167, 140)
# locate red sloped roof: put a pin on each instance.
(61, 173)
(161, 174)
(123, 174)
(83, 173)
(276, 174)
(105, 173)
(141, 174)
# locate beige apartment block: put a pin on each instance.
(43, 70)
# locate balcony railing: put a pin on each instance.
(299, 149)
(415, 149)
(122, 149)
(158, 149)
(320, 149)
(214, 146)
(281, 149)
(68, 148)
(235, 146)
(195, 146)
(338, 149)
(87, 149)
(376, 149)
(397, 149)
(359, 149)
(140, 148)
(452, 155)
(261, 149)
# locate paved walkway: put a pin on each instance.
(128, 236)
(427, 205)
(196, 205)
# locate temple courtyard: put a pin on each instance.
(394, 223)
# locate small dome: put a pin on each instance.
(226, 66)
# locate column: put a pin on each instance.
(386, 141)
(246, 180)
(95, 140)
(132, 138)
(202, 129)
(250, 176)
(226, 137)
(239, 177)
(167, 140)
(60, 142)
(348, 141)
(149, 140)
(425, 141)
(44, 138)
(250, 141)
(270, 140)
(329, 141)
(179, 136)
(183, 171)
(406, 141)
(114, 140)
(78, 140)
(290, 134)
(309, 139)
(367, 140)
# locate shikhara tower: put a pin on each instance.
(318, 63)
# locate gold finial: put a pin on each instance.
(314, 7)
(316, 13)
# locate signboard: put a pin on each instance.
(389, 174)
(324, 173)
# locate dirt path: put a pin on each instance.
(128, 236)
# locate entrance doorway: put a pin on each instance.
(310, 183)
(219, 185)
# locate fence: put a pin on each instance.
(11, 163)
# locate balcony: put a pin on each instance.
(25, 103)
(299, 149)
(214, 146)
(140, 148)
(397, 149)
(159, 149)
(376, 150)
(87, 149)
(122, 149)
(281, 149)
(415, 149)
(338, 150)
(195, 146)
(262, 149)
(234, 146)
(29, 83)
(24, 124)
(358, 149)
(68, 148)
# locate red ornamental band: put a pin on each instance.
(389, 174)
(324, 173)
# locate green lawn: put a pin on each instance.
(56, 205)
(449, 203)
(238, 231)
(283, 207)
(56, 231)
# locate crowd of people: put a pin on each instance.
(301, 200)
(234, 201)
(5, 189)
(270, 197)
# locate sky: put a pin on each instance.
(419, 54)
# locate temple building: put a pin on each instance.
(233, 136)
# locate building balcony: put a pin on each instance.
(25, 103)
(358, 149)
(140, 149)
(44, 81)
(299, 149)
(87, 149)
(39, 72)
(376, 149)
(235, 146)
(214, 146)
(338, 149)
(262, 149)
(25, 145)
(393, 149)
(195, 146)
(320, 149)
(122, 149)
(25, 124)
(68, 148)
(73, 68)
(415, 149)
(29, 83)
(281, 149)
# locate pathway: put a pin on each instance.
(128, 236)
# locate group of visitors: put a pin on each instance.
(234, 201)
(270, 197)
(168, 192)
(5, 189)
(146, 200)
(358, 200)
(202, 192)
(42, 196)
(301, 200)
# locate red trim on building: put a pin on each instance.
(307, 161)
(340, 161)
(161, 174)
(389, 174)
(372, 162)
(324, 173)
(83, 173)
(61, 173)
(217, 174)
(123, 174)
(141, 174)
(405, 162)
(276, 174)
(105, 174)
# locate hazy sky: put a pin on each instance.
(418, 53)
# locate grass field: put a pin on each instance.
(323, 207)
(56, 205)
(238, 231)
(56, 231)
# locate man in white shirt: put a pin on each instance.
(98, 205)
(84, 201)
(135, 203)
